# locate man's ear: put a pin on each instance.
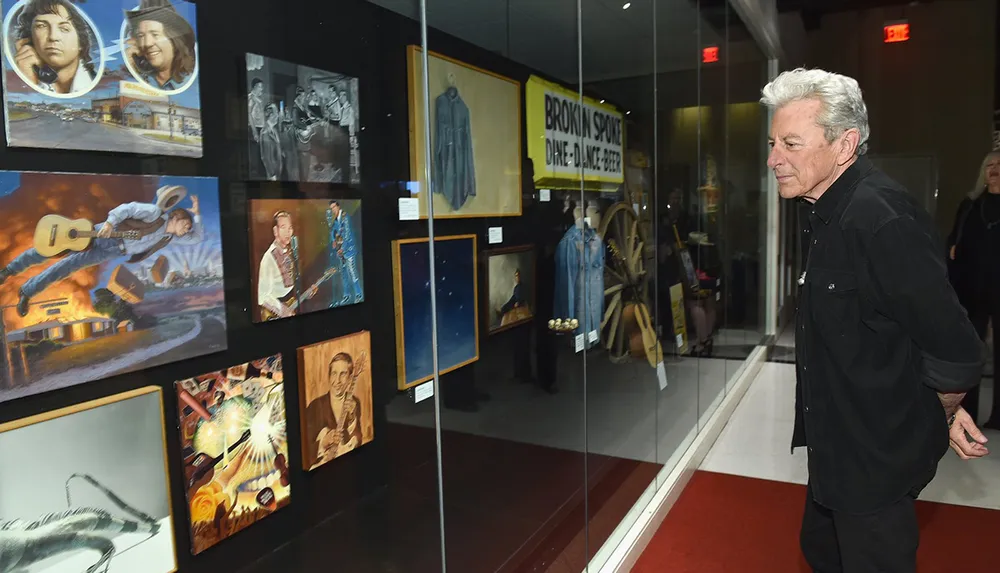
(849, 143)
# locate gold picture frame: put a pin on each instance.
(465, 328)
(100, 482)
(498, 123)
(527, 271)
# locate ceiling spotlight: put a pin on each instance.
(626, 5)
(628, 112)
(602, 101)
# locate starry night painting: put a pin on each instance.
(457, 295)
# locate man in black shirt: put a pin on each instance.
(884, 350)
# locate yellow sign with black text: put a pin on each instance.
(570, 141)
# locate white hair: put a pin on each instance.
(980, 185)
(843, 106)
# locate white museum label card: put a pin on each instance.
(635, 207)
(680, 341)
(579, 342)
(544, 195)
(661, 375)
(423, 392)
(592, 336)
(496, 235)
(409, 208)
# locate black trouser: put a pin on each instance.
(881, 542)
(981, 316)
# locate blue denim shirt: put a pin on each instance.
(454, 166)
(579, 282)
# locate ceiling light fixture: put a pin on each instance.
(626, 5)
(602, 101)
(628, 112)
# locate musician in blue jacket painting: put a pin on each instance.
(344, 253)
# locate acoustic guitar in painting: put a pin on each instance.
(292, 302)
(55, 234)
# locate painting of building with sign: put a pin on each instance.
(105, 274)
(111, 88)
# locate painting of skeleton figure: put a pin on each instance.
(234, 448)
(335, 391)
(89, 491)
(303, 124)
(105, 274)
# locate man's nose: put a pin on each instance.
(773, 158)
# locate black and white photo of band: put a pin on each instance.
(302, 123)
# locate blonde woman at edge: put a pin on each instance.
(974, 267)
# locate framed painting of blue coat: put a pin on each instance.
(457, 288)
(475, 138)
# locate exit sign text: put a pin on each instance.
(896, 32)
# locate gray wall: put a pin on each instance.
(932, 95)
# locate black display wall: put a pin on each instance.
(360, 39)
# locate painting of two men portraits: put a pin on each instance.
(105, 274)
(306, 256)
(303, 124)
(102, 75)
(335, 391)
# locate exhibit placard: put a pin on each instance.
(570, 141)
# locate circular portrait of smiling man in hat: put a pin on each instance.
(159, 46)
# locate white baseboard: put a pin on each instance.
(620, 553)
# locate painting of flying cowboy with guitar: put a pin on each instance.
(104, 274)
(305, 256)
(303, 123)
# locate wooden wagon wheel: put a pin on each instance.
(626, 282)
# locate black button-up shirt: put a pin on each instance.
(879, 333)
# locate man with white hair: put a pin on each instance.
(884, 350)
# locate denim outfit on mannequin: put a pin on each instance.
(579, 282)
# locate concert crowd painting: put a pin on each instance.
(303, 124)
(93, 497)
(105, 274)
(234, 448)
(305, 256)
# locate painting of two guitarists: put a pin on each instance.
(105, 274)
(303, 124)
(305, 256)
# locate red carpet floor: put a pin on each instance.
(733, 524)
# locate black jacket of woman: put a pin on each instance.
(975, 276)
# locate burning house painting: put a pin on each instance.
(105, 274)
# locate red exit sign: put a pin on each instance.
(896, 32)
(710, 55)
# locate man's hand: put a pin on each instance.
(26, 58)
(194, 206)
(131, 50)
(105, 232)
(960, 443)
